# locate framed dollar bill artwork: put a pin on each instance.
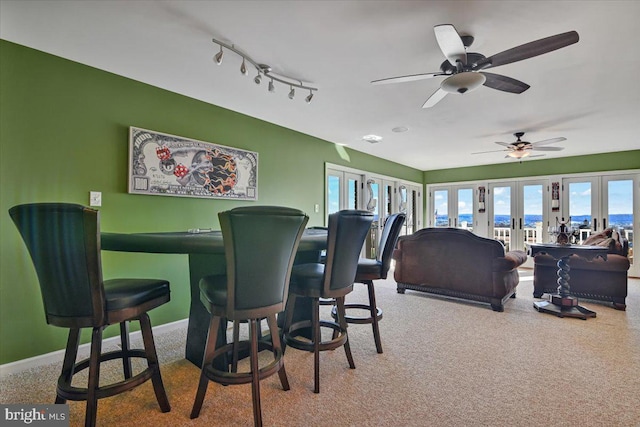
(169, 165)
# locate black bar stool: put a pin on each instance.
(375, 269)
(260, 245)
(332, 279)
(64, 243)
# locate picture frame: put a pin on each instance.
(169, 165)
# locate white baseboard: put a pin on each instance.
(83, 350)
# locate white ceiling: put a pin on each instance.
(588, 92)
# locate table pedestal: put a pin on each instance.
(563, 304)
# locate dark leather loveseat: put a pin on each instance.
(457, 263)
(596, 279)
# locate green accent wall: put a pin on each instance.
(64, 130)
(621, 160)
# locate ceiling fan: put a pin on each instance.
(464, 70)
(521, 149)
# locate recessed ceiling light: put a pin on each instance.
(373, 139)
(400, 129)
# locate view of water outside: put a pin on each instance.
(620, 206)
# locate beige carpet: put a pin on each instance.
(445, 363)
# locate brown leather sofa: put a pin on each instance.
(596, 279)
(457, 263)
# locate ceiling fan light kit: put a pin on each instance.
(465, 70)
(263, 69)
(463, 82)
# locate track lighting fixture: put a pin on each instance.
(265, 70)
(218, 57)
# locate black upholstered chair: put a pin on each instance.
(332, 279)
(260, 246)
(64, 243)
(375, 269)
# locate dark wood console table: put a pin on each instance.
(563, 304)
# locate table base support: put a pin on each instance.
(566, 311)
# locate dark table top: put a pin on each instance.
(559, 251)
(183, 242)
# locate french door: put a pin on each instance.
(410, 203)
(518, 212)
(597, 203)
(452, 206)
(343, 190)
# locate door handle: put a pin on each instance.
(595, 224)
(604, 223)
(520, 223)
(513, 223)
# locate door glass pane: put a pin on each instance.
(441, 208)
(620, 209)
(580, 208)
(502, 215)
(388, 194)
(333, 193)
(352, 193)
(412, 208)
(465, 208)
(532, 213)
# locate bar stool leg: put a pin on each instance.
(206, 360)
(343, 324)
(374, 315)
(255, 374)
(316, 344)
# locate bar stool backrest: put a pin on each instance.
(64, 243)
(388, 240)
(347, 232)
(260, 246)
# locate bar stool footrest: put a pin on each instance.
(356, 319)
(229, 378)
(291, 339)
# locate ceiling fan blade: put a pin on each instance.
(409, 78)
(434, 98)
(548, 141)
(450, 43)
(491, 151)
(547, 148)
(529, 50)
(504, 83)
(504, 144)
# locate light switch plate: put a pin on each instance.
(95, 198)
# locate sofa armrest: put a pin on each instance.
(510, 261)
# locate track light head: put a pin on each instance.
(218, 57)
(257, 79)
(292, 93)
(243, 68)
(309, 97)
(272, 88)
